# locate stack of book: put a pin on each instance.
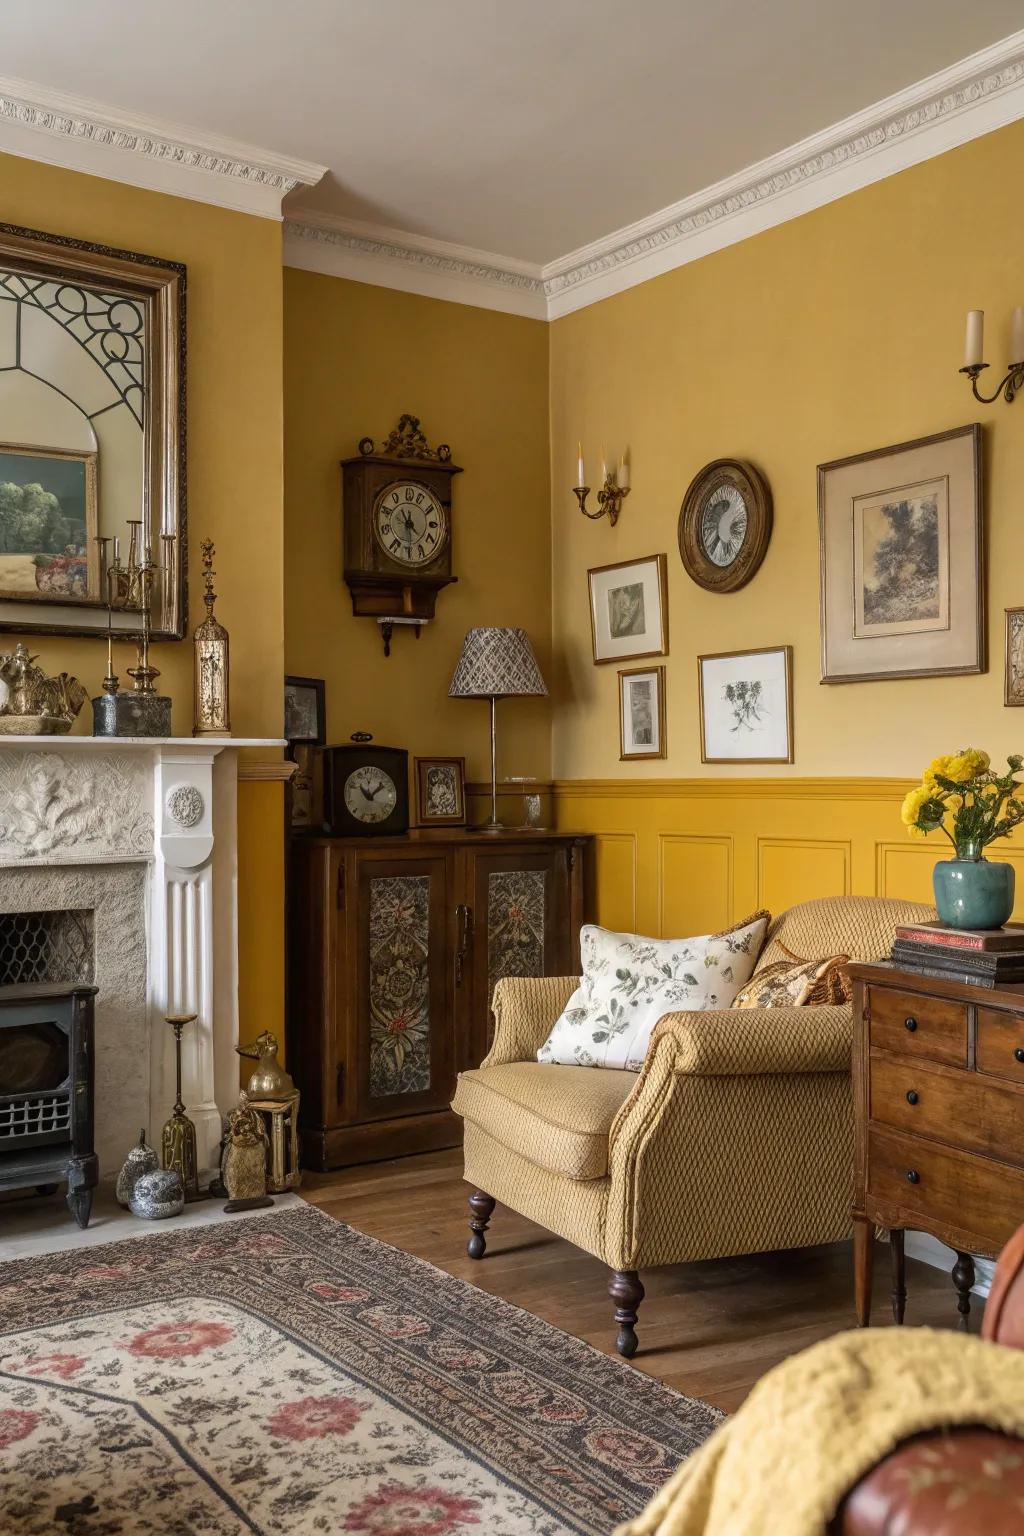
(986, 957)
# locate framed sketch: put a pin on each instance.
(642, 712)
(1013, 683)
(305, 721)
(440, 791)
(902, 572)
(629, 609)
(48, 549)
(746, 706)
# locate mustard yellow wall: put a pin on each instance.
(234, 487)
(838, 332)
(356, 358)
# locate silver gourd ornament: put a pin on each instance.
(141, 1159)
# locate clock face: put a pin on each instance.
(723, 524)
(410, 523)
(370, 794)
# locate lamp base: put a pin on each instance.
(493, 827)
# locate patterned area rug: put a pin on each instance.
(288, 1374)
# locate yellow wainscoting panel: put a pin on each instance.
(615, 879)
(791, 870)
(694, 884)
(684, 856)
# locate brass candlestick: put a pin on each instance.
(178, 1139)
(143, 711)
(609, 500)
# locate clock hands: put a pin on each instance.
(370, 794)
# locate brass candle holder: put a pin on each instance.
(178, 1148)
(129, 586)
(1008, 387)
(609, 499)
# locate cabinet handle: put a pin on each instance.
(912, 1096)
(913, 1177)
(1019, 1053)
(464, 919)
(910, 1024)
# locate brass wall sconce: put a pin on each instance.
(613, 492)
(1013, 380)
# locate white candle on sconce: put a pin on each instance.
(974, 340)
(117, 549)
(580, 472)
(622, 474)
(1017, 335)
(604, 468)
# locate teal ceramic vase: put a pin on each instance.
(972, 893)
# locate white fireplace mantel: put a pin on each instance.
(169, 803)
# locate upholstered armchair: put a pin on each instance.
(736, 1137)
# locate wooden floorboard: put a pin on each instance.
(709, 1330)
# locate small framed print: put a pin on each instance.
(305, 722)
(629, 609)
(440, 791)
(1013, 684)
(642, 713)
(746, 706)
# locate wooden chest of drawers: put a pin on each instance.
(938, 1092)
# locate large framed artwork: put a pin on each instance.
(92, 421)
(641, 713)
(746, 706)
(629, 609)
(902, 570)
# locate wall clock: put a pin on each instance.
(725, 524)
(397, 511)
(366, 789)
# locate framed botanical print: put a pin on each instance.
(305, 722)
(1013, 680)
(746, 706)
(629, 609)
(440, 791)
(902, 569)
(642, 713)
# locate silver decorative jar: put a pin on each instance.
(158, 1195)
(141, 1159)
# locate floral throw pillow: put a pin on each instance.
(630, 982)
(808, 983)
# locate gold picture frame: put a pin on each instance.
(440, 791)
(61, 563)
(1013, 660)
(629, 609)
(758, 711)
(641, 714)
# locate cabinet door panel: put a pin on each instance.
(402, 1040)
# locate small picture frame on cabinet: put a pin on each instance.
(641, 713)
(305, 720)
(440, 791)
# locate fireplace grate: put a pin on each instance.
(36, 1117)
(46, 946)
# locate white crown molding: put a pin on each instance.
(81, 135)
(969, 99)
(392, 258)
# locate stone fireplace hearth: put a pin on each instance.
(138, 838)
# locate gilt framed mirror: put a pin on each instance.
(92, 434)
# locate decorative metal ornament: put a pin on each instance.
(212, 717)
(244, 1164)
(158, 1195)
(178, 1141)
(725, 523)
(270, 1080)
(141, 1159)
(143, 711)
(33, 704)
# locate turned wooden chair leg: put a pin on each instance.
(626, 1291)
(963, 1282)
(899, 1274)
(481, 1206)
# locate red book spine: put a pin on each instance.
(946, 940)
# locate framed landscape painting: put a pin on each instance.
(902, 588)
(642, 713)
(48, 550)
(629, 609)
(746, 706)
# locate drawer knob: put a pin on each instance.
(912, 1096)
(1019, 1053)
(910, 1023)
(913, 1177)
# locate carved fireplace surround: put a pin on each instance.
(167, 809)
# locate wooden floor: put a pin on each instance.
(710, 1330)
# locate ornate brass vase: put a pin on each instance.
(178, 1140)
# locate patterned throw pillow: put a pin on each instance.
(629, 982)
(810, 983)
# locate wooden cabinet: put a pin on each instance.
(938, 1077)
(395, 945)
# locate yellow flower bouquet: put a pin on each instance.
(963, 797)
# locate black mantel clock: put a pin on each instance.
(397, 512)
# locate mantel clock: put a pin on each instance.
(397, 512)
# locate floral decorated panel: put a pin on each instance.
(515, 924)
(399, 985)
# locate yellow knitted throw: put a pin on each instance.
(814, 1426)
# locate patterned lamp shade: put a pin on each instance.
(496, 663)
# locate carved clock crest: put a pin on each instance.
(397, 513)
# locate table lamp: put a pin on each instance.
(496, 663)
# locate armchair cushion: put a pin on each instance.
(862, 927)
(556, 1117)
(786, 985)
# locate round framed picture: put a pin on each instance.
(725, 523)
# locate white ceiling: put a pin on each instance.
(527, 128)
